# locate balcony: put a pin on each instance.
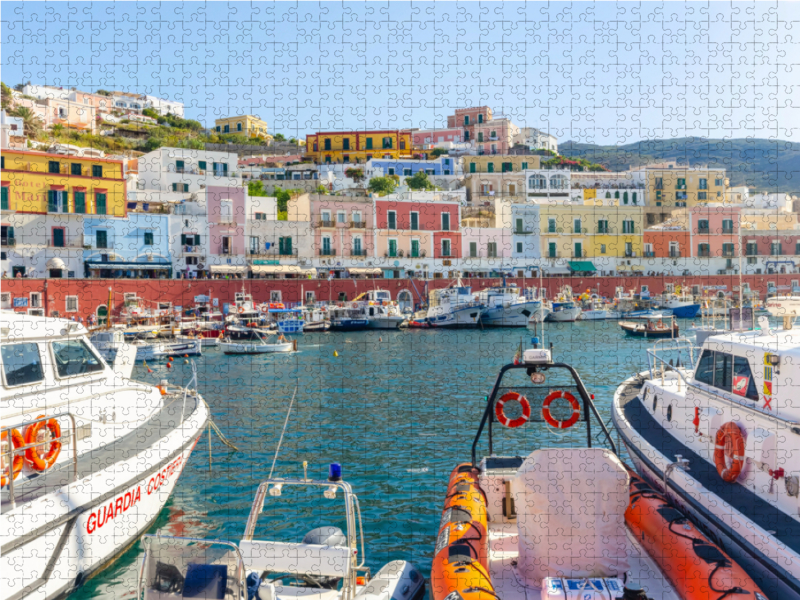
(276, 252)
(523, 232)
(727, 230)
(704, 254)
(358, 225)
(728, 254)
(327, 252)
(361, 252)
(703, 230)
(672, 254)
(191, 250)
(326, 223)
(67, 242)
(226, 251)
(649, 254)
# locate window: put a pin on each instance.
(190, 239)
(681, 185)
(702, 195)
(327, 144)
(576, 226)
(507, 167)
(705, 368)
(776, 248)
(445, 248)
(493, 135)
(391, 171)
(625, 197)
(415, 248)
(285, 246)
(491, 250)
(472, 167)
(681, 196)
(180, 187)
(80, 202)
(524, 166)
(674, 250)
(21, 364)
(466, 119)
(702, 226)
(73, 357)
(226, 211)
(357, 251)
(253, 244)
(58, 237)
(473, 249)
(727, 226)
(238, 126)
(551, 225)
(414, 221)
(480, 118)
(633, 198)
(341, 216)
(718, 182)
(53, 167)
(445, 221)
(480, 136)
(727, 250)
(703, 250)
(71, 304)
(4, 198)
(406, 172)
(602, 248)
(100, 206)
(702, 184)
(602, 226)
(722, 371)
(356, 216)
(392, 248)
(369, 143)
(627, 227)
(219, 129)
(743, 381)
(559, 182)
(148, 238)
(75, 169)
(57, 201)
(260, 216)
(551, 250)
(179, 166)
(391, 218)
(386, 143)
(519, 247)
(346, 144)
(490, 167)
(101, 239)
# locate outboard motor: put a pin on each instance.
(326, 536)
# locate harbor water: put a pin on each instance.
(398, 409)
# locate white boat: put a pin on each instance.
(541, 311)
(597, 310)
(315, 318)
(107, 342)
(682, 305)
(507, 307)
(243, 310)
(564, 309)
(720, 438)
(454, 306)
(154, 350)
(780, 306)
(287, 320)
(108, 453)
(325, 564)
(205, 342)
(254, 341)
(380, 311)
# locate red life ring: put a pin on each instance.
(241, 310)
(576, 409)
(34, 456)
(501, 415)
(729, 443)
(18, 461)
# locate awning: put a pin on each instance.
(128, 266)
(56, 263)
(557, 271)
(365, 270)
(228, 269)
(280, 269)
(582, 266)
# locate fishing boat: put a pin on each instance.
(595, 309)
(651, 328)
(288, 320)
(90, 457)
(454, 306)
(682, 305)
(563, 308)
(315, 318)
(255, 341)
(244, 310)
(719, 438)
(381, 311)
(348, 318)
(326, 563)
(570, 522)
(205, 341)
(638, 306)
(155, 350)
(506, 306)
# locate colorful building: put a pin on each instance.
(343, 228)
(422, 138)
(495, 136)
(358, 146)
(248, 125)
(444, 165)
(467, 118)
(133, 248)
(417, 229)
(681, 186)
(500, 163)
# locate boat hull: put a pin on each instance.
(599, 315)
(685, 311)
(467, 316)
(316, 326)
(386, 322)
(350, 325)
(778, 306)
(157, 350)
(565, 315)
(513, 315)
(640, 331)
(291, 326)
(236, 348)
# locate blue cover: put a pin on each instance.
(205, 581)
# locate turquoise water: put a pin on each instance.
(397, 409)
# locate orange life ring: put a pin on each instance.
(18, 461)
(241, 310)
(729, 443)
(33, 455)
(500, 412)
(576, 409)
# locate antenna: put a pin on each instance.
(280, 441)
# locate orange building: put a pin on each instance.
(358, 146)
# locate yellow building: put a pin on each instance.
(248, 125)
(39, 183)
(358, 146)
(500, 163)
(591, 231)
(685, 186)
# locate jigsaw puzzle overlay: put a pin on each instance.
(321, 273)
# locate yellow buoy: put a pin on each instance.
(335, 353)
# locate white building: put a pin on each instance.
(163, 106)
(549, 185)
(276, 249)
(42, 246)
(12, 132)
(43, 92)
(525, 228)
(332, 175)
(188, 239)
(536, 139)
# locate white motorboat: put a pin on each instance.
(780, 306)
(205, 342)
(507, 307)
(569, 522)
(149, 350)
(255, 341)
(90, 457)
(325, 564)
(720, 439)
(243, 310)
(564, 309)
(380, 311)
(454, 306)
(597, 310)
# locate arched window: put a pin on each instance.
(608, 195)
(625, 197)
(537, 182)
(633, 194)
(558, 182)
(616, 194)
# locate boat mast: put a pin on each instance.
(741, 291)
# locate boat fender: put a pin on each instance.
(552, 421)
(253, 583)
(17, 441)
(729, 444)
(325, 536)
(499, 409)
(35, 457)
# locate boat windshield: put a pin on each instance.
(73, 357)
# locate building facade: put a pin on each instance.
(494, 137)
(500, 163)
(427, 138)
(536, 139)
(134, 248)
(248, 125)
(344, 229)
(466, 119)
(358, 146)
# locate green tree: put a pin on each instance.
(356, 175)
(256, 188)
(437, 152)
(151, 112)
(103, 92)
(382, 185)
(321, 190)
(419, 181)
(31, 123)
(279, 137)
(7, 97)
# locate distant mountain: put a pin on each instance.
(765, 165)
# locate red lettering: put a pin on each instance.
(91, 524)
(127, 501)
(118, 506)
(138, 495)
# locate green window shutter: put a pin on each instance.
(58, 238)
(100, 205)
(148, 238)
(551, 249)
(472, 167)
(183, 240)
(80, 203)
(524, 166)
(52, 201)
(97, 171)
(473, 249)
(4, 198)
(490, 167)
(75, 169)
(201, 165)
(101, 239)
(174, 187)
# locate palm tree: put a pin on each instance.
(31, 122)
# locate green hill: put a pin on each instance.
(762, 164)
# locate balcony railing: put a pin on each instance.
(361, 252)
(703, 230)
(191, 250)
(67, 242)
(326, 223)
(728, 254)
(358, 224)
(523, 232)
(674, 254)
(727, 230)
(704, 254)
(274, 252)
(649, 254)
(226, 251)
(327, 252)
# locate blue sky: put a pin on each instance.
(592, 72)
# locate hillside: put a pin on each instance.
(762, 164)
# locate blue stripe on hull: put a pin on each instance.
(689, 311)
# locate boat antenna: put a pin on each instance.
(280, 441)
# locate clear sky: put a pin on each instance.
(592, 72)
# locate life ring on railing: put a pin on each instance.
(576, 410)
(38, 460)
(354, 305)
(17, 441)
(729, 443)
(499, 409)
(241, 310)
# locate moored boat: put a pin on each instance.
(651, 328)
(255, 341)
(780, 306)
(732, 419)
(507, 306)
(563, 308)
(682, 306)
(454, 306)
(520, 524)
(94, 455)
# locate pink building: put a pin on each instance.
(426, 137)
(466, 119)
(495, 136)
(226, 225)
(714, 231)
(417, 229)
(343, 227)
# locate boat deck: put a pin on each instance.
(762, 513)
(163, 421)
(509, 584)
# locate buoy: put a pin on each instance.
(169, 365)
(335, 353)
(185, 356)
(169, 359)
(186, 362)
(380, 339)
(149, 370)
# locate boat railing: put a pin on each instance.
(658, 365)
(11, 452)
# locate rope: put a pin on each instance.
(280, 441)
(213, 426)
